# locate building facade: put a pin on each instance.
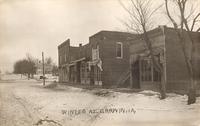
(169, 54)
(119, 59)
(101, 62)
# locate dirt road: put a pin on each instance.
(15, 110)
(27, 103)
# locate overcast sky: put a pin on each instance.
(33, 26)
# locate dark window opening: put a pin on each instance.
(148, 72)
(119, 50)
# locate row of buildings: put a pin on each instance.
(121, 59)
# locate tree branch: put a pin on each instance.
(198, 30)
(194, 21)
(169, 15)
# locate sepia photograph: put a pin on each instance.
(99, 62)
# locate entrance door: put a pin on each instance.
(149, 77)
(135, 74)
(72, 73)
(92, 75)
(78, 72)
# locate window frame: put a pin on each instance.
(148, 74)
(121, 45)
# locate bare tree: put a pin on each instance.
(141, 21)
(29, 57)
(25, 67)
(186, 24)
(48, 61)
(55, 70)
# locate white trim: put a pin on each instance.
(95, 53)
(121, 50)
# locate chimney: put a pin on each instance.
(162, 27)
(80, 50)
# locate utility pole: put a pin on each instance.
(43, 69)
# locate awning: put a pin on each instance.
(155, 51)
(78, 60)
(73, 62)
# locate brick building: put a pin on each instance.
(119, 59)
(169, 53)
(100, 62)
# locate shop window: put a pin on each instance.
(148, 72)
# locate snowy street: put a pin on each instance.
(26, 102)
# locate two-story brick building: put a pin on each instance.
(100, 62)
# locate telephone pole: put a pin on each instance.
(43, 69)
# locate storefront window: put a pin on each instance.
(148, 72)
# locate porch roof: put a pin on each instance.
(78, 60)
(73, 62)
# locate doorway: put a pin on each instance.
(149, 76)
(92, 75)
(135, 74)
(78, 71)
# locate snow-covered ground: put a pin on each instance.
(49, 77)
(70, 106)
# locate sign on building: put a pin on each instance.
(95, 53)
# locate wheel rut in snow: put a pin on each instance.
(41, 121)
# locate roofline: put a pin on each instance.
(155, 31)
(68, 40)
(63, 43)
(158, 31)
(104, 31)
